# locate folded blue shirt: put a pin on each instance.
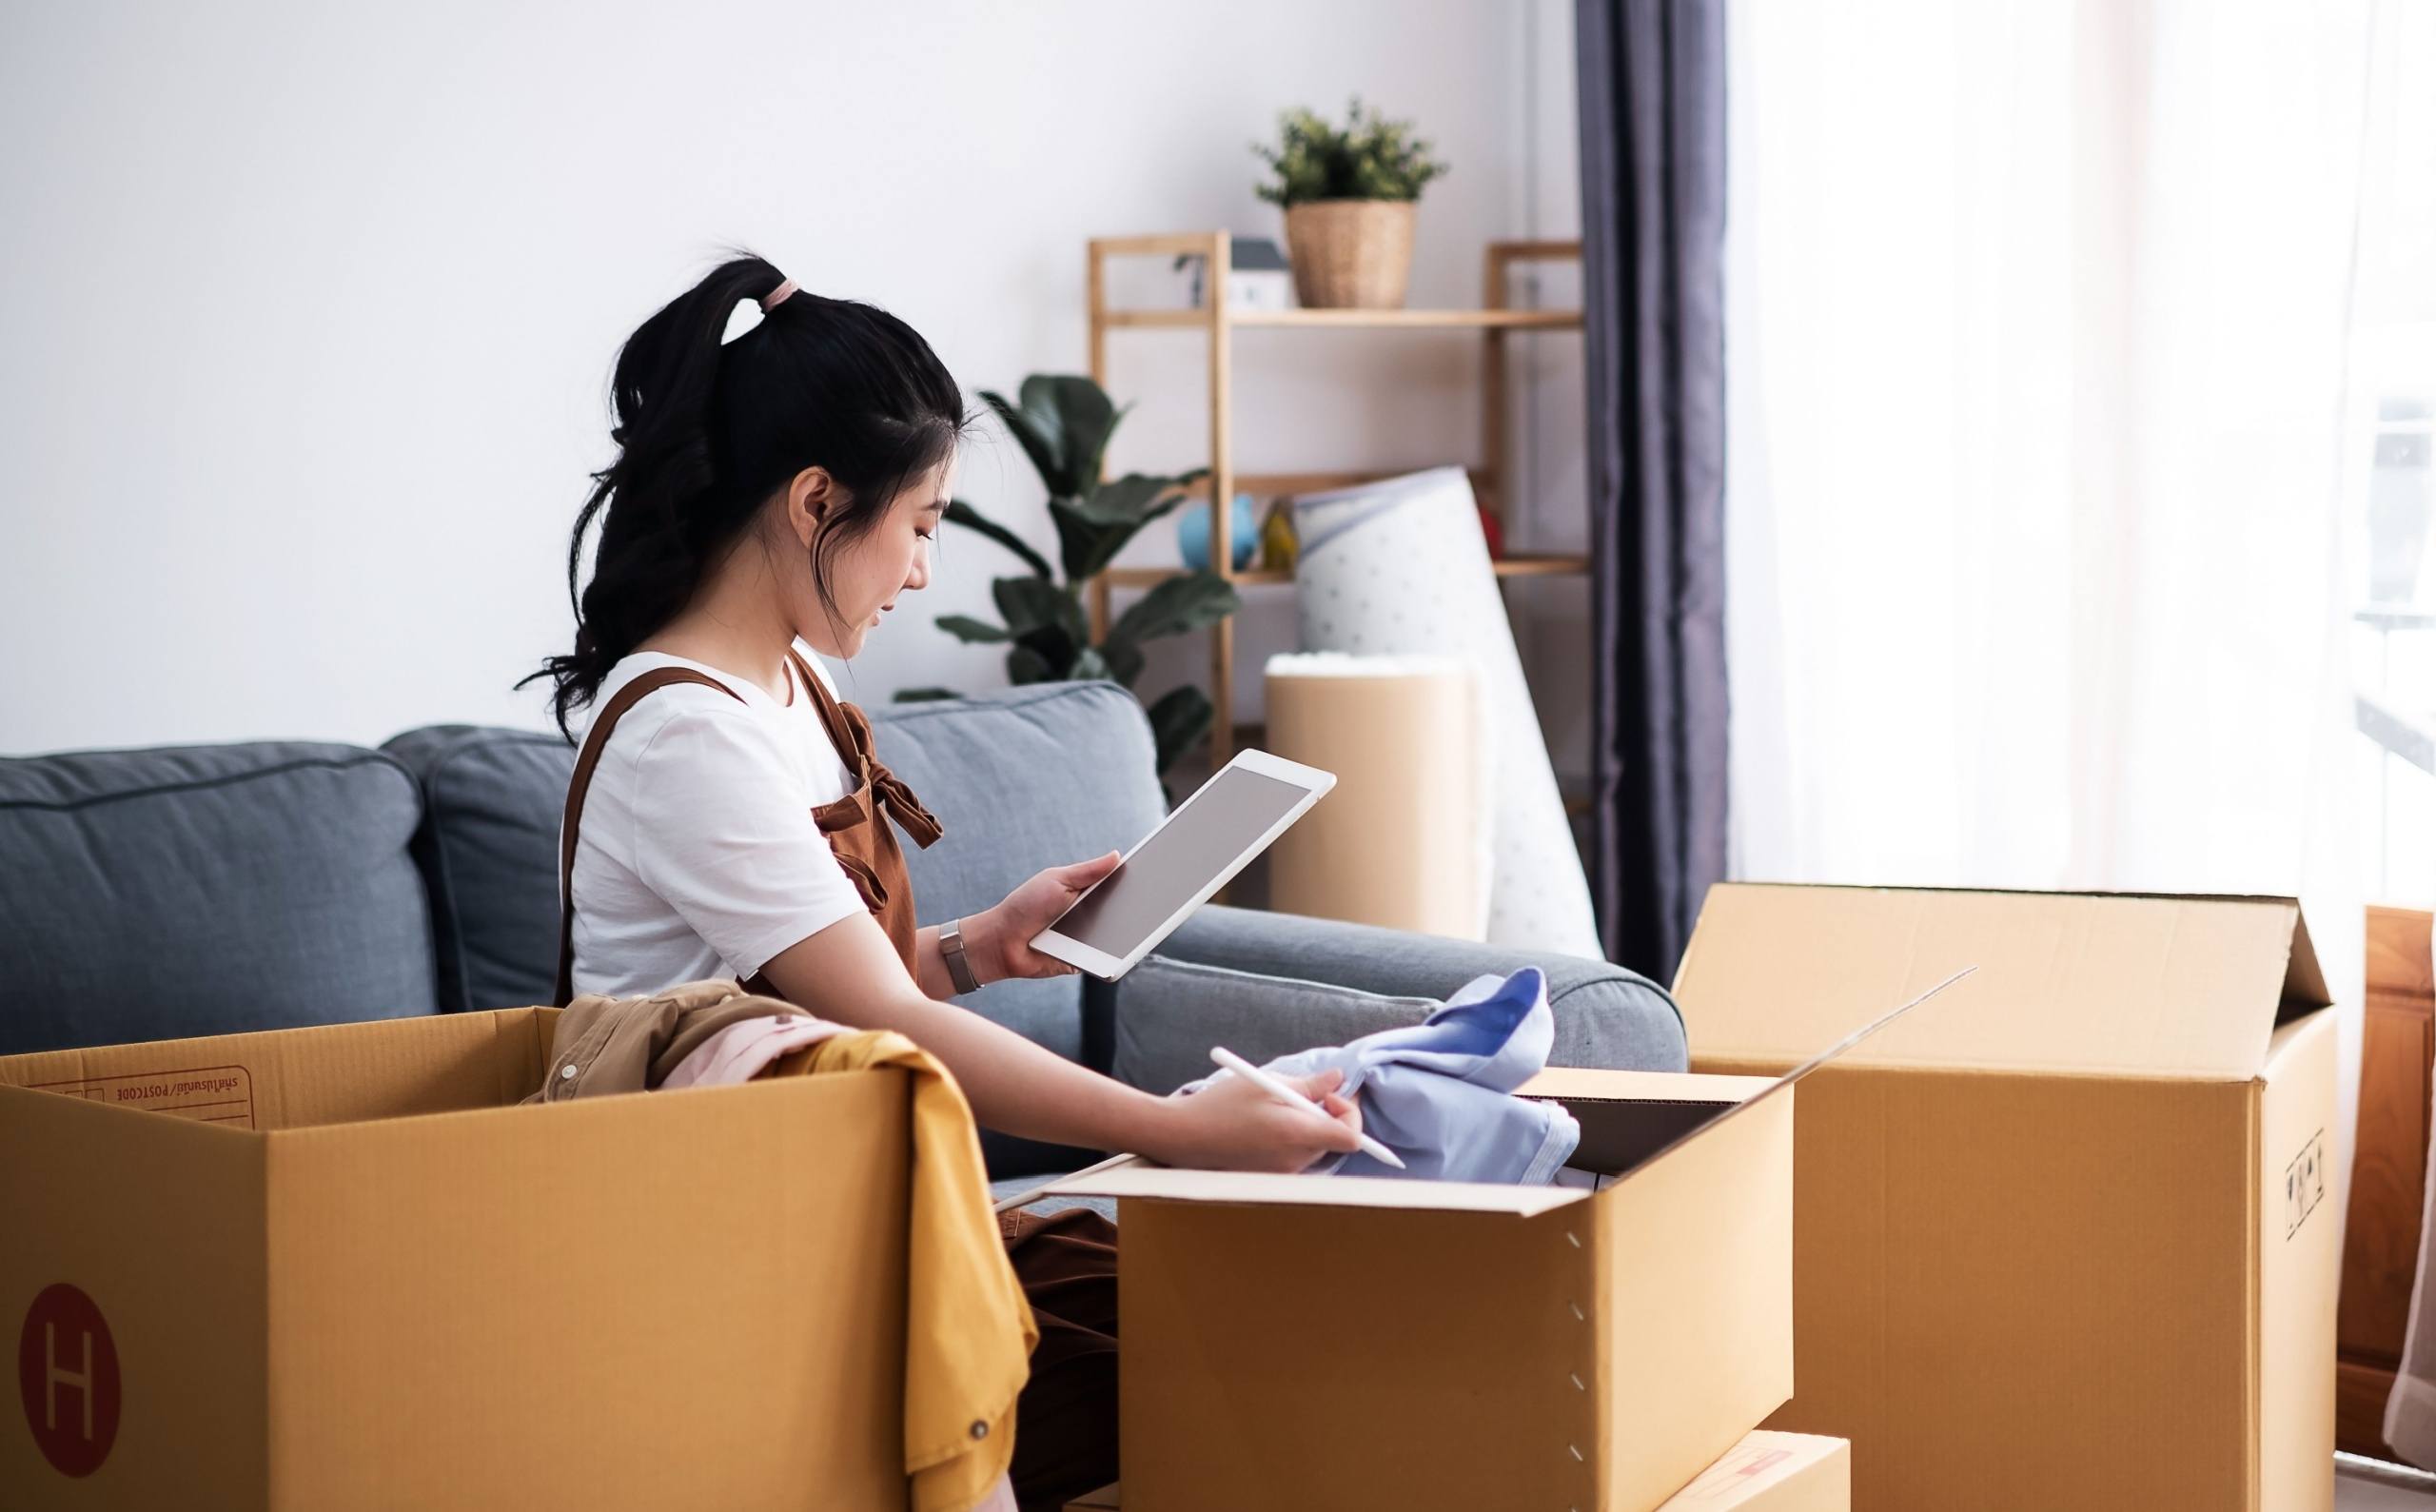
(1437, 1093)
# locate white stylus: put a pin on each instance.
(1286, 1094)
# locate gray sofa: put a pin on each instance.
(207, 890)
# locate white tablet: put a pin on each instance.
(1207, 839)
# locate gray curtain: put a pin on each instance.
(1653, 215)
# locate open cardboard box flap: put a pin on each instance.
(271, 1080)
(1629, 1121)
(2099, 983)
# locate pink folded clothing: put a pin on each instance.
(745, 1048)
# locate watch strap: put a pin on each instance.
(951, 952)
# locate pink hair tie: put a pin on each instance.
(777, 296)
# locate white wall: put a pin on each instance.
(307, 310)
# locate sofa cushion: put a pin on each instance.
(206, 890)
(1175, 1010)
(1265, 985)
(489, 852)
(1022, 779)
(1607, 1015)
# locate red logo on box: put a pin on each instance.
(1733, 1475)
(67, 1375)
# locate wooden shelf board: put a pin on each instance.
(1268, 485)
(1505, 320)
(1527, 567)
(1165, 245)
(1195, 320)
(1422, 320)
(1505, 567)
(1138, 576)
(1536, 251)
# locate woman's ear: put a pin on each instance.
(812, 497)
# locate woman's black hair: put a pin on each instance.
(706, 433)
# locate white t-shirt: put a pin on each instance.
(698, 855)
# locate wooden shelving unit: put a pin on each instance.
(1490, 323)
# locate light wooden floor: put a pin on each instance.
(2354, 1494)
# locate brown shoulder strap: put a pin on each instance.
(849, 730)
(833, 715)
(595, 742)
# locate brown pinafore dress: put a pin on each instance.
(1066, 1416)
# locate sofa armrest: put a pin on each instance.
(1269, 984)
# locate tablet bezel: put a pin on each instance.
(1315, 785)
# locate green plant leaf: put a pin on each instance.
(1089, 666)
(1184, 602)
(1178, 721)
(1055, 649)
(1025, 665)
(1031, 604)
(1085, 417)
(925, 694)
(1123, 659)
(1037, 434)
(1045, 621)
(1092, 530)
(1368, 158)
(960, 513)
(1084, 545)
(1063, 422)
(972, 632)
(1134, 500)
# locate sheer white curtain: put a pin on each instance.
(2037, 317)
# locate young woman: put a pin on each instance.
(730, 818)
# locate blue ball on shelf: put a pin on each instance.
(1192, 534)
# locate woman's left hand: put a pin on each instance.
(999, 941)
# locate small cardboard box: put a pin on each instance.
(1317, 1341)
(337, 1267)
(1766, 1472)
(2064, 1242)
(1774, 1472)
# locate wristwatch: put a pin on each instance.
(951, 952)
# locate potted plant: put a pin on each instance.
(1063, 424)
(1348, 196)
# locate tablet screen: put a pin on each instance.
(1203, 839)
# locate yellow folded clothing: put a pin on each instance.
(969, 1332)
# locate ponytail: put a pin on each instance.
(707, 433)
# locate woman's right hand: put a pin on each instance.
(1231, 1125)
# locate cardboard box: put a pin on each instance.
(1774, 1472)
(2062, 1242)
(1317, 1341)
(1766, 1472)
(341, 1273)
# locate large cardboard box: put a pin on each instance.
(2062, 1242)
(335, 1268)
(1316, 1340)
(1774, 1472)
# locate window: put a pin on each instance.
(2393, 402)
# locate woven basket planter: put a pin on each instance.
(1350, 254)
